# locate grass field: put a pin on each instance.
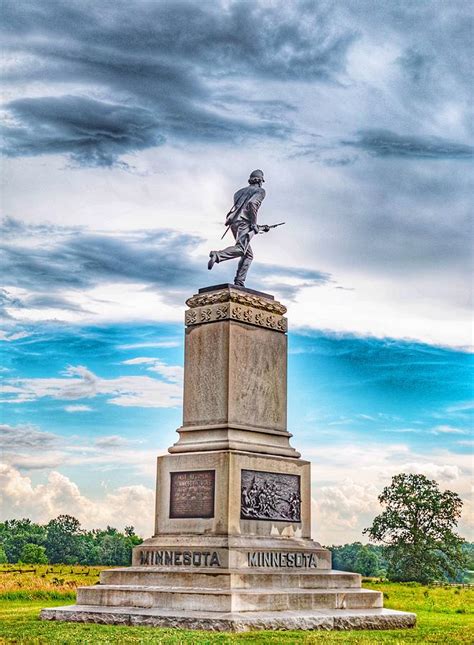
(445, 615)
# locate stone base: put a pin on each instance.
(339, 619)
(241, 599)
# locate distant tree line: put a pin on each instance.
(63, 541)
(373, 560)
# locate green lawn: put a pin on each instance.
(445, 615)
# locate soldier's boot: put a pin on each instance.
(213, 258)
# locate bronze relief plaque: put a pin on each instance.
(270, 496)
(192, 494)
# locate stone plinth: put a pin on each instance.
(235, 373)
(232, 548)
(226, 518)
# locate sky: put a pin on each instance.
(126, 129)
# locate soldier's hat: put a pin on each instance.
(257, 174)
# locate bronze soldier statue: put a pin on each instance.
(242, 221)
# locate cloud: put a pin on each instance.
(81, 383)
(343, 505)
(444, 472)
(78, 408)
(30, 448)
(112, 441)
(26, 446)
(29, 437)
(384, 143)
(11, 337)
(287, 282)
(94, 132)
(172, 373)
(84, 259)
(179, 76)
(446, 429)
(133, 505)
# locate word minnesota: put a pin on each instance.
(181, 558)
(281, 559)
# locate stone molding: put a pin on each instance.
(231, 295)
(230, 310)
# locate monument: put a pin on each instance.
(232, 547)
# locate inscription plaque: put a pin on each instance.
(192, 494)
(270, 496)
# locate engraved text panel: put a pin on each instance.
(192, 494)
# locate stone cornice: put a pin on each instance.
(230, 304)
(239, 297)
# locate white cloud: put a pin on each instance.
(383, 308)
(442, 472)
(78, 408)
(114, 441)
(126, 505)
(139, 391)
(445, 429)
(30, 448)
(172, 373)
(10, 337)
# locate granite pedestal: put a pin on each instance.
(232, 547)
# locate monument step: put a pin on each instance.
(325, 619)
(260, 599)
(230, 579)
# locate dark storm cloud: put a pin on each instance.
(65, 260)
(384, 143)
(295, 40)
(160, 65)
(94, 132)
(83, 260)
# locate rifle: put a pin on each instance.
(272, 226)
(269, 227)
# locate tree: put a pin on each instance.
(14, 534)
(3, 555)
(63, 540)
(367, 559)
(417, 527)
(33, 554)
(367, 562)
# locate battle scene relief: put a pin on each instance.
(270, 496)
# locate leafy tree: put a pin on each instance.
(63, 540)
(417, 527)
(3, 555)
(365, 559)
(116, 548)
(33, 554)
(367, 562)
(468, 548)
(15, 534)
